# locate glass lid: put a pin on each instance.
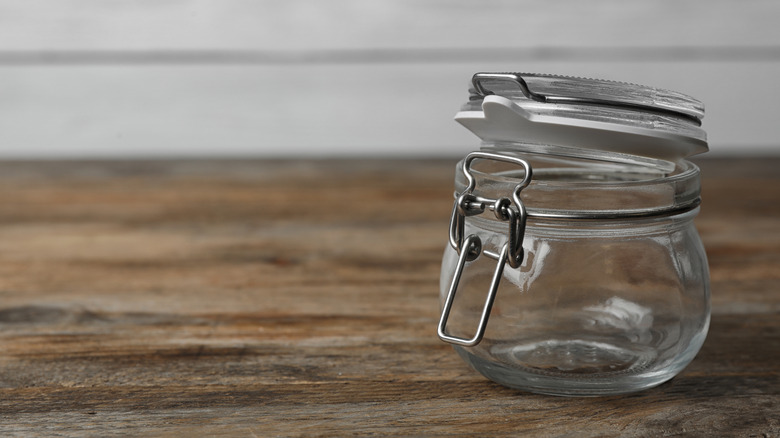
(584, 113)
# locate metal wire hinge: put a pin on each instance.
(479, 79)
(470, 248)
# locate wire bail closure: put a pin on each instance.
(517, 79)
(470, 248)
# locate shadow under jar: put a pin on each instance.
(574, 270)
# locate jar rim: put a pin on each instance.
(573, 188)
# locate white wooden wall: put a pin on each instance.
(155, 78)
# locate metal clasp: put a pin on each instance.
(517, 78)
(469, 249)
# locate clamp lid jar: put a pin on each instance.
(573, 266)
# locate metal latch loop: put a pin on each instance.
(491, 296)
(468, 204)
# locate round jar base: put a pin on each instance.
(581, 368)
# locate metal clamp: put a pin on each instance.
(468, 204)
(517, 79)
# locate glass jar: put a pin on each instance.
(574, 268)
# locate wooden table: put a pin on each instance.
(258, 298)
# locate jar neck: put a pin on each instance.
(590, 228)
(590, 185)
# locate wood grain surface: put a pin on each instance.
(250, 298)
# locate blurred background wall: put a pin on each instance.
(267, 78)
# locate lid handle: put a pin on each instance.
(478, 78)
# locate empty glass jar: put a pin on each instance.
(573, 265)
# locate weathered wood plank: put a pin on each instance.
(347, 78)
(300, 298)
(343, 110)
(310, 24)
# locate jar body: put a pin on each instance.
(596, 307)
